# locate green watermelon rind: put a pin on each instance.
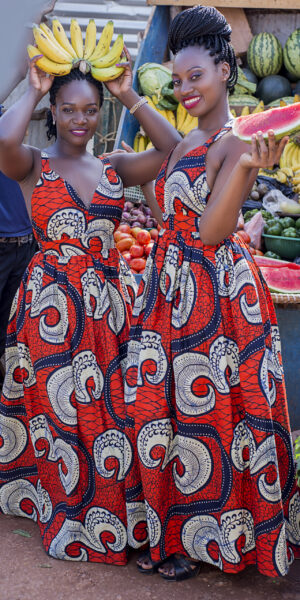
(291, 53)
(277, 289)
(258, 118)
(265, 54)
(276, 103)
(243, 100)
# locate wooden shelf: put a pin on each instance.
(267, 4)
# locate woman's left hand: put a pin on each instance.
(263, 155)
(122, 84)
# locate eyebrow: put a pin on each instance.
(73, 104)
(195, 67)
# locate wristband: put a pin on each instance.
(138, 105)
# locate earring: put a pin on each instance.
(53, 120)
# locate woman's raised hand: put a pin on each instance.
(39, 80)
(122, 84)
(262, 154)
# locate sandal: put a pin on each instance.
(184, 568)
(154, 565)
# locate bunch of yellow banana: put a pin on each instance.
(283, 175)
(291, 156)
(184, 121)
(59, 55)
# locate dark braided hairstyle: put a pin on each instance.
(58, 82)
(204, 26)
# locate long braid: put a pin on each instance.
(204, 26)
(58, 82)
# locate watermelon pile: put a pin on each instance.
(265, 54)
(281, 276)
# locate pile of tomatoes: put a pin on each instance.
(135, 245)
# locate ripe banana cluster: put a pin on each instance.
(246, 110)
(61, 55)
(180, 119)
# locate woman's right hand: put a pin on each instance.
(38, 79)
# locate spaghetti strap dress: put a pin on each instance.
(64, 453)
(213, 476)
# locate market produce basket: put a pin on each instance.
(285, 247)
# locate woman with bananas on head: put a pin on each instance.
(64, 453)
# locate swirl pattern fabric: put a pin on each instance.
(206, 405)
(64, 453)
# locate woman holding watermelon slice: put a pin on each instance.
(207, 413)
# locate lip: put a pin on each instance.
(189, 103)
(79, 132)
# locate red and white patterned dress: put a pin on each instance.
(64, 454)
(207, 415)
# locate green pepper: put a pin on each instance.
(272, 222)
(290, 232)
(266, 215)
(250, 213)
(287, 222)
(270, 254)
(274, 230)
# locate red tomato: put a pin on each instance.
(149, 247)
(125, 243)
(259, 252)
(135, 231)
(138, 264)
(127, 256)
(137, 251)
(244, 236)
(120, 235)
(154, 234)
(125, 228)
(143, 237)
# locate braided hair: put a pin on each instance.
(58, 82)
(204, 26)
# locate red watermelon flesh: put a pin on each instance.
(284, 120)
(264, 261)
(282, 281)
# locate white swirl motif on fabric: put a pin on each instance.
(97, 522)
(107, 188)
(271, 364)
(187, 368)
(260, 456)
(130, 362)
(17, 358)
(173, 278)
(117, 314)
(51, 296)
(280, 553)
(199, 531)
(141, 299)
(58, 451)
(127, 280)
(151, 349)
(232, 277)
(169, 275)
(293, 520)
(224, 354)
(64, 381)
(154, 525)
(192, 195)
(51, 176)
(101, 229)
(136, 514)
(13, 438)
(112, 443)
(85, 366)
(68, 251)
(193, 455)
(69, 221)
(92, 287)
(14, 492)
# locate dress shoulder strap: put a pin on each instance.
(216, 136)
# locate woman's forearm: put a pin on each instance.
(161, 133)
(14, 122)
(220, 216)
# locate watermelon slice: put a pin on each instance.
(283, 120)
(264, 261)
(283, 280)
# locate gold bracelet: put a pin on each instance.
(138, 105)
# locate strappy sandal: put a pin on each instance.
(184, 568)
(154, 565)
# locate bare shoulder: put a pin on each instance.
(230, 146)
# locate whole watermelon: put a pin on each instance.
(264, 54)
(291, 53)
(273, 87)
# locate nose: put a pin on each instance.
(186, 87)
(79, 117)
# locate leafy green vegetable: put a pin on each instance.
(152, 78)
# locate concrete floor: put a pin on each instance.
(27, 573)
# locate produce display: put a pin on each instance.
(265, 54)
(61, 55)
(284, 120)
(135, 245)
(291, 54)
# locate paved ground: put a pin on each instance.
(27, 573)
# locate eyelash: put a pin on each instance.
(176, 82)
(90, 111)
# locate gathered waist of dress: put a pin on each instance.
(79, 246)
(182, 223)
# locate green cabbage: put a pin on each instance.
(152, 78)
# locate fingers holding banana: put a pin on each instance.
(56, 55)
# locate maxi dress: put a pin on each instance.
(63, 450)
(213, 476)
